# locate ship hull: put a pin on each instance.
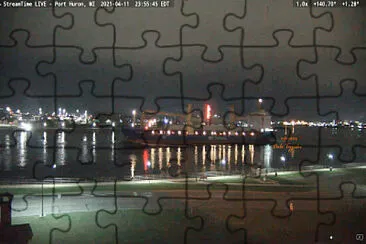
(146, 138)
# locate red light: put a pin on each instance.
(208, 111)
(146, 159)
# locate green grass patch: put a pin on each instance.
(132, 226)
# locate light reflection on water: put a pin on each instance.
(104, 148)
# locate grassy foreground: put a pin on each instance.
(132, 226)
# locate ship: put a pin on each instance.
(255, 130)
(206, 136)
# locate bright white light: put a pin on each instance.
(8, 109)
(26, 126)
(44, 124)
(113, 124)
(330, 156)
(54, 166)
(148, 163)
(223, 161)
(63, 124)
(77, 110)
(260, 100)
(166, 121)
(252, 133)
(179, 133)
(18, 111)
(283, 159)
(94, 124)
(133, 112)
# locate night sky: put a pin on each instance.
(217, 52)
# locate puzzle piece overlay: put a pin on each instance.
(232, 52)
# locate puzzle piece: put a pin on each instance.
(214, 222)
(329, 81)
(261, 19)
(231, 72)
(259, 225)
(123, 219)
(352, 99)
(269, 57)
(129, 24)
(25, 68)
(161, 87)
(350, 215)
(40, 24)
(75, 35)
(210, 32)
(345, 40)
(104, 72)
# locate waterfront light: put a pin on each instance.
(196, 133)
(204, 133)
(252, 133)
(283, 159)
(161, 132)
(330, 156)
(260, 100)
(26, 126)
(169, 132)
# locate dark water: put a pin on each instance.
(89, 153)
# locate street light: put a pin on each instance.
(331, 157)
(283, 159)
(134, 118)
